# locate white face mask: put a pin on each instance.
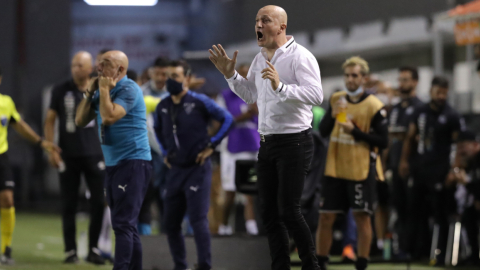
(355, 93)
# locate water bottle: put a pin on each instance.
(342, 115)
(387, 248)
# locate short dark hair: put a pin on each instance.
(132, 75)
(104, 50)
(413, 71)
(440, 82)
(181, 63)
(161, 62)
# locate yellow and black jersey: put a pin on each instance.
(350, 155)
(8, 113)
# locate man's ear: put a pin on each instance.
(364, 79)
(186, 82)
(283, 28)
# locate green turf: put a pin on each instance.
(38, 245)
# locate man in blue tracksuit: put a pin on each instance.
(181, 126)
(121, 116)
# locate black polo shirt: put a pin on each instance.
(74, 141)
(435, 131)
(473, 169)
(399, 120)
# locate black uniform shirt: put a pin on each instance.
(435, 131)
(74, 141)
(399, 119)
(473, 169)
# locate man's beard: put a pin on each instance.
(406, 91)
(439, 104)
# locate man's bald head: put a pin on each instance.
(113, 64)
(271, 27)
(81, 66)
(277, 12)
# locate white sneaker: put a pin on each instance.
(225, 230)
(251, 226)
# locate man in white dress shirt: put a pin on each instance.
(284, 80)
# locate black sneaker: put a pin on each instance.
(107, 256)
(322, 262)
(71, 257)
(195, 267)
(6, 258)
(95, 257)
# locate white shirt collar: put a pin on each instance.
(283, 49)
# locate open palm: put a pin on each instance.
(220, 59)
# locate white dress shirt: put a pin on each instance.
(288, 109)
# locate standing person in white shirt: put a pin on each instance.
(284, 80)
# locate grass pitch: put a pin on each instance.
(38, 245)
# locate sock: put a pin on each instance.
(251, 226)
(380, 243)
(105, 239)
(322, 262)
(7, 225)
(361, 263)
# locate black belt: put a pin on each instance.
(264, 138)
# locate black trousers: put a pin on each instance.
(470, 221)
(283, 162)
(145, 215)
(399, 191)
(429, 197)
(93, 168)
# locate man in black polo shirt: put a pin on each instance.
(466, 177)
(433, 130)
(81, 153)
(399, 119)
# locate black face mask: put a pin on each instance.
(174, 87)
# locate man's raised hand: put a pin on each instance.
(222, 62)
(107, 83)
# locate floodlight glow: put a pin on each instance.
(121, 2)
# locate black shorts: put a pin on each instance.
(6, 175)
(340, 195)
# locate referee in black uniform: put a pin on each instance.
(81, 153)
